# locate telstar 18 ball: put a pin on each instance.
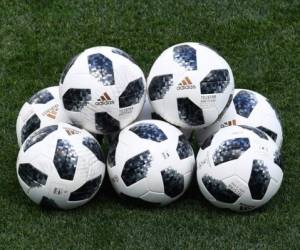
(190, 85)
(102, 90)
(239, 168)
(60, 166)
(42, 109)
(151, 161)
(247, 108)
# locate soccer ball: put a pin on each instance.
(152, 161)
(102, 90)
(190, 85)
(148, 113)
(42, 109)
(60, 166)
(239, 168)
(247, 108)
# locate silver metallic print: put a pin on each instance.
(101, 68)
(173, 182)
(149, 131)
(159, 86)
(259, 180)
(38, 136)
(41, 97)
(244, 102)
(215, 82)
(65, 159)
(76, 99)
(136, 168)
(230, 150)
(185, 56)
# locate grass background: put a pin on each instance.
(259, 39)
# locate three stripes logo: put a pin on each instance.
(71, 131)
(51, 112)
(186, 83)
(104, 100)
(229, 123)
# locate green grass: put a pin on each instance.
(260, 40)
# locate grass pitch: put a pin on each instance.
(260, 40)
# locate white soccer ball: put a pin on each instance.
(247, 108)
(102, 90)
(42, 109)
(148, 113)
(239, 168)
(152, 161)
(60, 166)
(190, 85)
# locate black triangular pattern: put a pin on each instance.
(32, 124)
(259, 180)
(38, 136)
(219, 190)
(87, 190)
(132, 94)
(173, 182)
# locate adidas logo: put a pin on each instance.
(229, 123)
(71, 131)
(104, 100)
(51, 112)
(186, 83)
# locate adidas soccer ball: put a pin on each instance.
(247, 108)
(190, 85)
(60, 166)
(42, 109)
(148, 113)
(239, 168)
(102, 90)
(152, 162)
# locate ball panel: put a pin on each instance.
(32, 176)
(149, 131)
(65, 159)
(41, 97)
(159, 86)
(76, 99)
(48, 203)
(184, 148)
(132, 94)
(259, 180)
(189, 112)
(244, 102)
(255, 131)
(87, 190)
(38, 136)
(185, 56)
(230, 150)
(219, 190)
(136, 168)
(277, 159)
(215, 82)
(101, 68)
(173, 182)
(32, 124)
(122, 53)
(269, 132)
(94, 146)
(105, 123)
